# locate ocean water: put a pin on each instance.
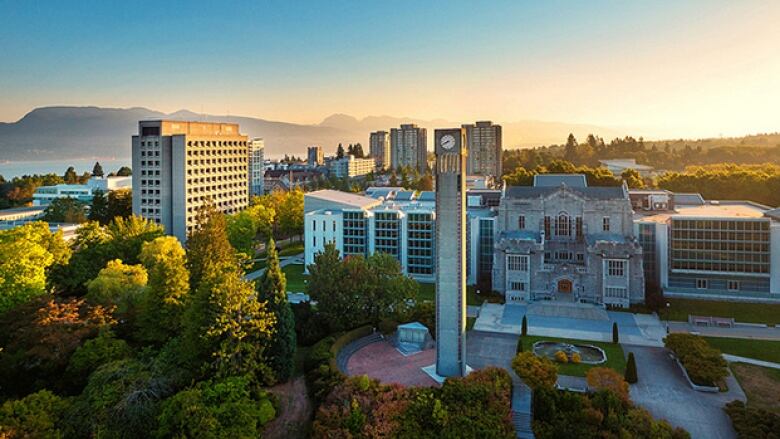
(16, 169)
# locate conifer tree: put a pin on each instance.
(272, 289)
(631, 376)
(97, 170)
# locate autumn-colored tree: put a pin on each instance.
(536, 372)
(604, 378)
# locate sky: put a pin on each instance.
(660, 68)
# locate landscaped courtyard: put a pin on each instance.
(615, 358)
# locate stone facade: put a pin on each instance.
(568, 243)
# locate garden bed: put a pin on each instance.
(615, 358)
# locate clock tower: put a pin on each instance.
(450, 172)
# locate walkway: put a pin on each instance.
(739, 331)
(283, 262)
(737, 359)
(663, 391)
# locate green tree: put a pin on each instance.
(124, 171)
(120, 204)
(225, 326)
(633, 179)
(65, 210)
(242, 230)
(94, 353)
(340, 152)
(326, 287)
(99, 209)
(70, 176)
(631, 376)
(227, 408)
(290, 213)
(24, 259)
(536, 372)
(615, 333)
(272, 289)
(97, 170)
(389, 291)
(570, 150)
(524, 326)
(118, 284)
(166, 294)
(38, 415)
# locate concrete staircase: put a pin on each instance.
(567, 309)
(522, 409)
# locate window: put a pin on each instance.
(562, 225)
(616, 268)
(701, 284)
(521, 222)
(517, 263)
(334, 226)
(314, 226)
(315, 241)
(620, 293)
(579, 227)
(580, 257)
(517, 286)
(733, 285)
(547, 226)
(605, 224)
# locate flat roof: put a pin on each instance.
(31, 210)
(551, 180)
(721, 210)
(348, 198)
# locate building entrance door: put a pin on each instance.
(564, 286)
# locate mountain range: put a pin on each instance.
(49, 133)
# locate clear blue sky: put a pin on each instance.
(698, 67)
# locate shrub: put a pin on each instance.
(705, 365)
(752, 423)
(604, 378)
(321, 378)
(561, 357)
(631, 376)
(576, 358)
(615, 334)
(524, 327)
(536, 372)
(387, 326)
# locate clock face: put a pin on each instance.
(447, 142)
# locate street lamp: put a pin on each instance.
(667, 316)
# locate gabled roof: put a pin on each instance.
(555, 180)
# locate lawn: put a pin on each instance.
(615, 358)
(758, 349)
(296, 280)
(761, 385)
(290, 250)
(428, 293)
(679, 310)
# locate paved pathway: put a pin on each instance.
(663, 391)
(756, 332)
(283, 262)
(738, 359)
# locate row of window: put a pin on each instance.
(682, 224)
(150, 154)
(616, 268)
(703, 284)
(616, 293)
(209, 143)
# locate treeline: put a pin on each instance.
(666, 155)
(124, 333)
(759, 183)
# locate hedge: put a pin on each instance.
(345, 339)
(705, 365)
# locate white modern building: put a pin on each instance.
(694, 248)
(397, 222)
(256, 150)
(617, 166)
(350, 166)
(44, 195)
(179, 167)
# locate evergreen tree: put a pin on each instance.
(357, 150)
(350, 150)
(70, 176)
(124, 171)
(615, 334)
(631, 376)
(524, 328)
(272, 289)
(570, 150)
(340, 152)
(97, 170)
(99, 210)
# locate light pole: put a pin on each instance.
(667, 317)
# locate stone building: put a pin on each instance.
(563, 240)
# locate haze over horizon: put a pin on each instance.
(663, 69)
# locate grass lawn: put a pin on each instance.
(761, 385)
(679, 310)
(615, 357)
(290, 250)
(295, 278)
(758, 349)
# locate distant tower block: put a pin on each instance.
(450, 252)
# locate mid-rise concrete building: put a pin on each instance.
(349, 166)
(409, 147)
(179, 167)
(315, 156)
(702, 249)
(44, 195)
(379, 148)
(484, 144)
(256, 150)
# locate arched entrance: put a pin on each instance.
(565, 286)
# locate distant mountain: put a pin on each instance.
(83, 132)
